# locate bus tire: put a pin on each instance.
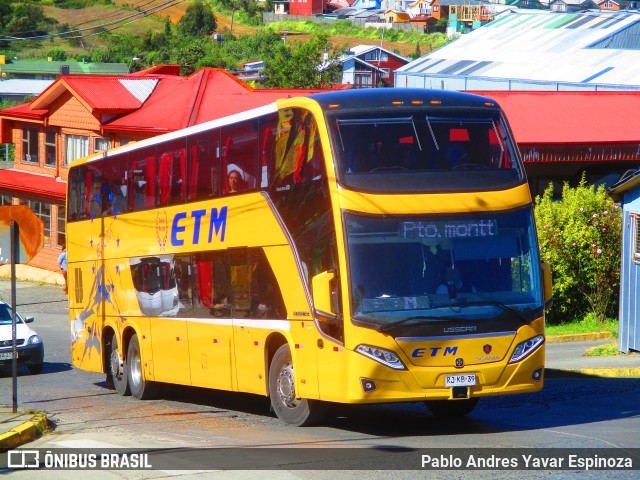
(118, 370)
(140, 388)
(452, 408)
(298, 412)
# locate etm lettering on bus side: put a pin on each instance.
(217, 222)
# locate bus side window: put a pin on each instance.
(142, 186)
(183, 276)
(203, 166)
(267, 151)
(172, 173)
(96, 197)
(212, 289)
(266, 297)
(240, 157)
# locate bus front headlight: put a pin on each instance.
(526, 348)
(381, 355)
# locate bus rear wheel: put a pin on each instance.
(452, 408)
(140, 388)
(292, 410)
(118, 369)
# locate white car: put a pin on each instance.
(28, 343)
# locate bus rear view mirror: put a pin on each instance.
(546, 284)
(323, 294)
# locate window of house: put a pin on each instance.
(371, 55)
(436, 8)
(636, 238)
(101, 144)
(385, 73)
(62, 233)
(6, 200)
(50, 147)
(124, 141)
(30, 144)
(43, 211)
(608, 5)
(76, 146)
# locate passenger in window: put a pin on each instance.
(139, 191)
(236, 182)
(455, 283)
(96, 202)
(119, 202)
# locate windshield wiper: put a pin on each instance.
(386, 328)
(500, 305)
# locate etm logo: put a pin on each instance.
(434, 352)
(215, 220)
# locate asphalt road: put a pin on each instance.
(570, 413)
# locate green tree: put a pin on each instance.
(189, 56)
(581, 237)
(28, 19)
(302, 66)
(57, 54)
(6, 10)
(198, 20)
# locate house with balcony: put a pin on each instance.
(367, 66)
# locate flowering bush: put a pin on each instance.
(581, 238)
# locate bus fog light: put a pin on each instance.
(385, 357)
(526, 348)
(368, 385)
(536, 376)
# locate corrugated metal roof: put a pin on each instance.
(591, 49)
(53, 67)
(23, 87)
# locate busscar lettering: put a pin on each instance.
(217, 222)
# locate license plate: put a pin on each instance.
(460, 380)
(7, 356)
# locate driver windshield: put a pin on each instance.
(416, 151)
(420, 270)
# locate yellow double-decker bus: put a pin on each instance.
(362, 246)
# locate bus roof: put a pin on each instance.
(386, 97)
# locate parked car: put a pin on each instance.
(28, 343)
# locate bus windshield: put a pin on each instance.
(415, 152)
(431, 270)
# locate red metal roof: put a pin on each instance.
(98, 93)
(208, 94)
(33, 184)
(550, 117)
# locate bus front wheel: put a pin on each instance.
(298, 412)
(118, 369)
(452, 408)
(140, 388)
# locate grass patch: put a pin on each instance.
(589, 324)
(607, 350)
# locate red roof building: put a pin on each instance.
(78, 115)
(562, 135)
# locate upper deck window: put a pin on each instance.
(416, 151)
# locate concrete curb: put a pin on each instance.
(613, 372)
(24, 433)
(579, 337)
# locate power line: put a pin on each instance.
(131, 17)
